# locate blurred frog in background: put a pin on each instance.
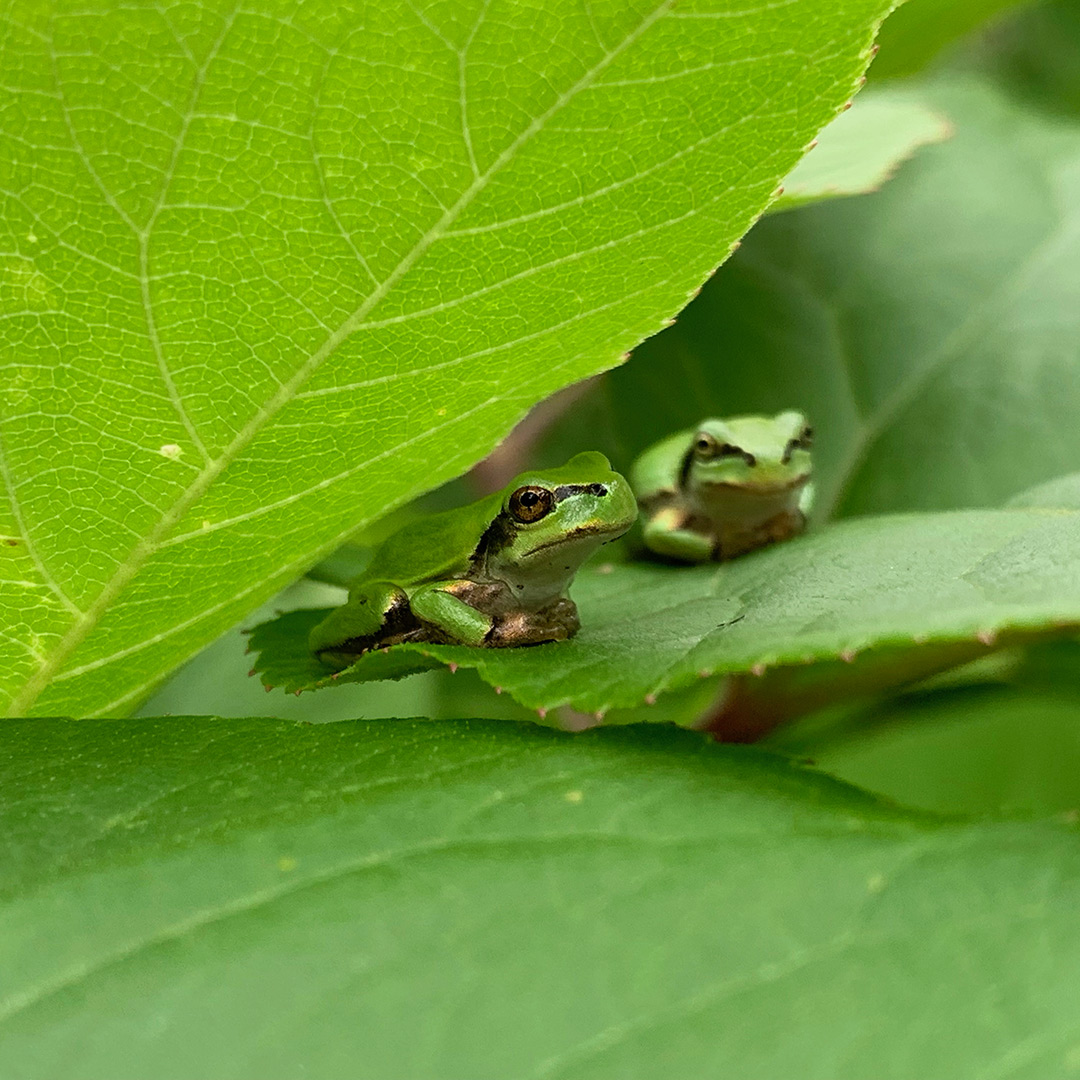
(725, 487)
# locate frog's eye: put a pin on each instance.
(705, 446)
(529, 504)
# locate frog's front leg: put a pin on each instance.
(443, 605)
(666, 534)
(377, 613)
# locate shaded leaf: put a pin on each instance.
(375, 900)
(919, 29)
(972, 750)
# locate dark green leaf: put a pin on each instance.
(378, 900)
(919, 29)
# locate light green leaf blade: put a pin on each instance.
(862, 148)
(930, 330)
(386, 899)
(275, 270)
(897, 585)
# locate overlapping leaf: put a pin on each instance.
(274, 270)
(862, 148)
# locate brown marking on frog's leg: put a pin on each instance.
(399, 625)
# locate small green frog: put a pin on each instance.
(494, 573)
(725, 487)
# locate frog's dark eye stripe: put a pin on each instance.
(803, 442)
(727, 450)
(706, 448)
(531, 503)
(563, 490)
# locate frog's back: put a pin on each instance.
(656, 470)
(434, 546)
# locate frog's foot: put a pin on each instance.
(672, 533)
(555, 622)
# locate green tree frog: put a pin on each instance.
(725, 487)
(494, 573)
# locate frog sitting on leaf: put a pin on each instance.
(493, 574)
(725, 487)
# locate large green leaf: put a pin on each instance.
(380, 900)
(930, 330)
(271, 271)
(853, 595)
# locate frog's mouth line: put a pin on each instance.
(580, 531)
(757, 489)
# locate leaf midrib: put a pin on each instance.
(148, 545)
